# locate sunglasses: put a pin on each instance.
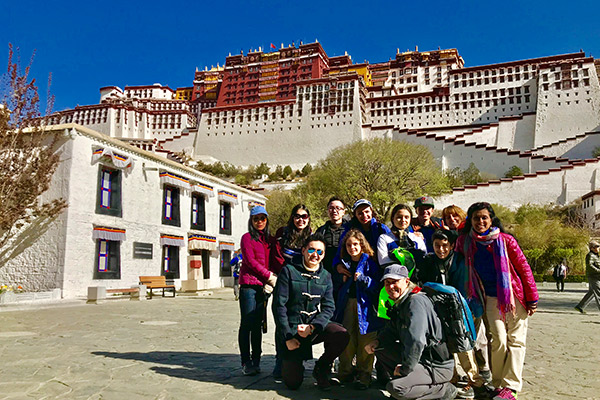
(300, 216)
(319, 251)
(258, 218)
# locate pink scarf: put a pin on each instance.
(506, 301)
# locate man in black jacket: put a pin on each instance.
(302, 307)
(410, 347)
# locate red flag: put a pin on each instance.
(273, 46)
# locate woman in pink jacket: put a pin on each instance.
(255, 279)
(500, 278)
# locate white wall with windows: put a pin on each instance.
(132, 213)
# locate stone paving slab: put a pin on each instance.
(186, 347)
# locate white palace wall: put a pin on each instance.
(292, 140)
(557, 187)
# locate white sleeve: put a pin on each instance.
(382, 249)
(419, 242)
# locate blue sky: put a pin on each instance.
(87, 45)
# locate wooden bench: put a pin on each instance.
(97, 294)
(156, 282)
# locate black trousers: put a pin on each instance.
(335, 339)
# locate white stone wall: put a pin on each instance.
(565, 112)
(292, 140)
(561, 187)
(34, 258)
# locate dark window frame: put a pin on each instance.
(112, 252)
(224, 218)
(201, 212)
(175, 217)
(114, 208)
(225, 269)
(172, 253)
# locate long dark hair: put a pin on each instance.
(397, 208)
(293, 238)
(478, 207)
(254, 233)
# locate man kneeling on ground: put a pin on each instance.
(303, 306)
(410, 346)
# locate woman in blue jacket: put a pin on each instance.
(356, 307)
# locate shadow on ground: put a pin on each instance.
(224, 369)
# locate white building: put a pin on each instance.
(130, 213)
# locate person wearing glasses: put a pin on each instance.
(255, 275)
(592, 270)
(303, 306)
(332, 231)
(287, 249)
(356, 308)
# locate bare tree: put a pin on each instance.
(28, 160)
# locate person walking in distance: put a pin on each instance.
(592, 270)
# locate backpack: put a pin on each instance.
(454, 314)
(404, 257)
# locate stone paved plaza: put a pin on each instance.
(186, 348)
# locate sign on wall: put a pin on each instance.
(142, 250)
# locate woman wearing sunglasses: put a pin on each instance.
(303, 306)
(356, 307)
(287, 250)
(254, 276)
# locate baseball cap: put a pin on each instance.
(394, 271)
(424, 201)
(361, 202)
(258, 210)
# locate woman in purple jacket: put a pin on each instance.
(500, 279)
(255, 279)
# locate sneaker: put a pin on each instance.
(484, 392)
(249, 370)
(581, 310)
(321, 373)
(450, 392)
(465, 392)
(505, 394)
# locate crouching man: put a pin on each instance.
(302, 307)
(410, 346)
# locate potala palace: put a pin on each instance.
(296, 102)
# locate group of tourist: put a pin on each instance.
(327, 287)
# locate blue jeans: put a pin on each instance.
(252, 311)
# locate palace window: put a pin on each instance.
(198, 212)
(225, 269)
(170, 262)
(171, 206)
(108, 260)
(225, 218)
(109, 192)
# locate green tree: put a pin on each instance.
(306, 170)
(262, 169)
(513, 171)
(287, 171)
(384, 171)
(471, 175)
(596, 152)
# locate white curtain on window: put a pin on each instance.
(106, 233)
(201, 242)
(228, 197)
(172, 240)
(174, 180)
(120, 161)
(204, 189)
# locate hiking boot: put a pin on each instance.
(450, 392)
(248, 369)
(322, 374)
(505, 394)
(581, 310)
(465, 392)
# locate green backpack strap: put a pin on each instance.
(384, 303)
(404, 257)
